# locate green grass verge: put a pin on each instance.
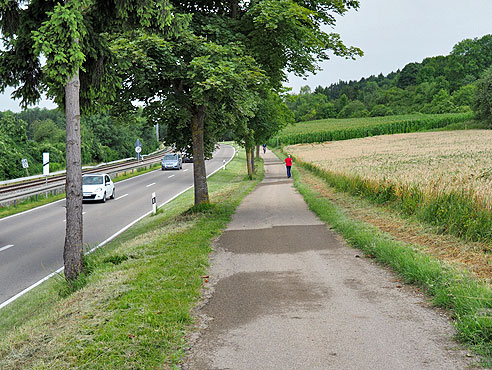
(135, 310)
(469, 300)
(32, 202)
(350, 128)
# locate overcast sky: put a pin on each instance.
(391, 33)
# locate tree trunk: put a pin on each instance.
(234, 8)
(248, 161)
(199, 171)
(73, 252)
(253, 159)
(257, 151)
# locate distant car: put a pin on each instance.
(172, 161)
(187, 158)
(97, 186)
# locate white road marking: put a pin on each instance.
(20, 294)
(32, 209)
(148, 186)
(185, 169)
(6, 247)
(171, 176)
(121, 196)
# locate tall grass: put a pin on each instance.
(344, 129)
(455, 212)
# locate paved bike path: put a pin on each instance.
(286, 293)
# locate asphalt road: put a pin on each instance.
(31, 243)
(285, 292)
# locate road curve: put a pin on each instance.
(31, 243)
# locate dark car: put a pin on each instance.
(187, 158)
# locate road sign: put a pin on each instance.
(138, 143)
(138, 149)
(24, 162)
(46, 164)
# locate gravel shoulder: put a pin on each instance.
(286, 293)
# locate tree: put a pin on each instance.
(482, 105)
(463, 97)
(208, 81)
(354, 109)
(408, 75)
(272, 115)
(441, 103)
(46, 130)
(197, 87)
(73, 37)
(292, 33)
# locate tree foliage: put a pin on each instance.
(30, 133)
(483, 98)
(214, 74)
(441, 84)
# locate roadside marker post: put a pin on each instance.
(46, 168)
(154, 204)
(223, 164)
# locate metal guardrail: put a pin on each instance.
(35, 177)
(58, 187)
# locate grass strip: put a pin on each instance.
(351, 128)
(468, 300)
(135, 310)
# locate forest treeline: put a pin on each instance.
(30, 133)
(441, 84)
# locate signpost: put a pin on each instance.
(25, 165)
(138, 148)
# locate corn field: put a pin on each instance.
(344, 129)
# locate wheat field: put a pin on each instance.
(433, 161)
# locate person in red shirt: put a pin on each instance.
(288, 164)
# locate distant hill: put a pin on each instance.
(441, 84)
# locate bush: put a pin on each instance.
(482, 104)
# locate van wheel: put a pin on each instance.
(112, 195)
